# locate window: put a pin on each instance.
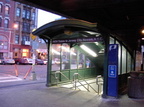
(33, 16)
(7, 10)
(25, 52)
(26, 27)
(28, 14)
(6, 23)
(24, 13)
(18, 12)
(16, 39)
(0, 8)
(3, 43)
(25, 38)
(0, 22)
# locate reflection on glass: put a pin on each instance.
(65, 56)
(88, 63)
(61, 59)
(81, 61)
(123, 60)
(119, 57)
(73, 58)
(55, 57)
(129, 63)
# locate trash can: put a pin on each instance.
(136, 84)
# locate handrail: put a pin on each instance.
(99, 82)
(78, 75)
(58, 72)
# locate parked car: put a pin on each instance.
(39, 62)
(19, 61)
(7, 61)
(29, 61)
(45, 61)
(24, 61)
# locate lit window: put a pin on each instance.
(25, 50)
(6, 23)
(33, 16)
(24, 54)
(7, 9)
(18, 12)
(24, 13)
(0, 8)
(16, 39)
(28, 14)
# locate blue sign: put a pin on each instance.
(112, 71)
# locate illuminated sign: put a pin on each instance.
(73, 40)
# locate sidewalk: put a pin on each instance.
(36, 94)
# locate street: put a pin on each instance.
(22, 72)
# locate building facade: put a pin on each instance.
(16, 23)
(26, 20)
(6, 25)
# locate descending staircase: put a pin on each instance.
(94, 85)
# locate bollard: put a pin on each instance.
(33, 76)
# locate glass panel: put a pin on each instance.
(73, 58)
(24, 13)
(18, 12)
(123, 60)
(119, 57)
(55, 57)
(5, 47)
(65, 56)
(7, 9)
(81, 60)
(111, 40)
(88, 63)
(6, 22)
(129, 63)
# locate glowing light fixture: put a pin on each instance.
(88, 50)
(68, 50)
(142, 31)
(56, 52)
(96, 43)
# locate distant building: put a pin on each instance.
(26, 20)
(16, 23)
(6, 25)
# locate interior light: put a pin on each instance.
(56, 52)
(96, 43)
(142, 31)
(68, 50)
(88, 50)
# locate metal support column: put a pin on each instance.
(49, 50)
(105, 73)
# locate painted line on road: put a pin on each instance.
(10, 79)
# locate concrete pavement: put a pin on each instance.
(36, 94)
